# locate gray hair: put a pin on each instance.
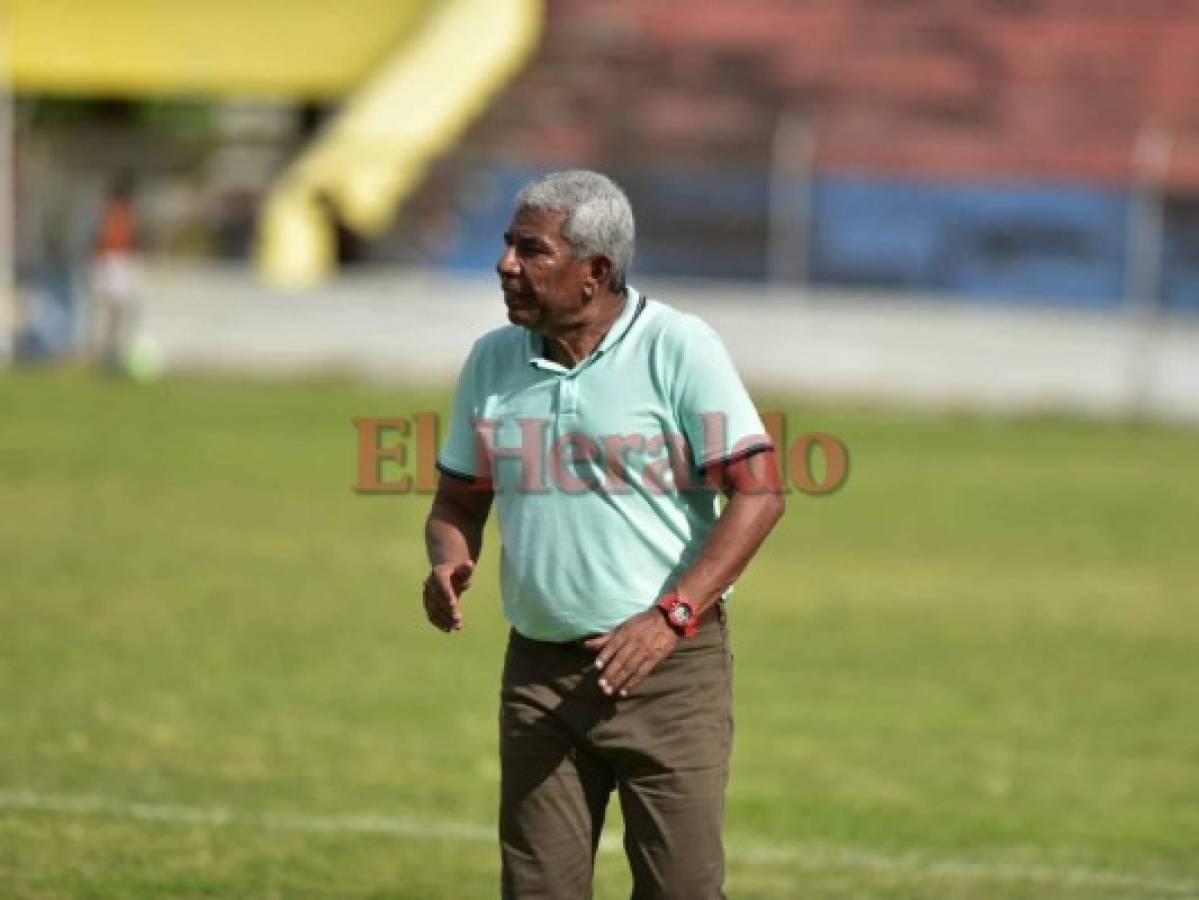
(599, 219)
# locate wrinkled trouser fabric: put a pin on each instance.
(565, 746)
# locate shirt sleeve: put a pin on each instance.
(459, 453)
(718, 418)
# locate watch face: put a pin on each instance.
(682, 613)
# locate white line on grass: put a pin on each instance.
(742, 850)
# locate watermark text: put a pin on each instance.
(399, 454)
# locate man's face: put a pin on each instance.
(543, 283)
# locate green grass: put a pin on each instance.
(969, 674)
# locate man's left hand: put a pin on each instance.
(631, 651)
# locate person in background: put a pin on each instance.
(114, 276)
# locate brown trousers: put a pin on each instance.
(564, 746)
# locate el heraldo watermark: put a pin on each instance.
(398, 455)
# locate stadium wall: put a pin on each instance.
(409, 326)
(986, 148)
(1013, 241)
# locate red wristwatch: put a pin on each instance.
(680, 614)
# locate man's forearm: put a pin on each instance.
(451, 537)
(743, 525)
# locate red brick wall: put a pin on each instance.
(1054, 89)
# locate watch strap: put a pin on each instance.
(680, 613)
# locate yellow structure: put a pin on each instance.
(376, 151)
(413, 74)
(130, 48)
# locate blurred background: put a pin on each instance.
(962, 235)
(1036, 158)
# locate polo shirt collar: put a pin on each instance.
(632, 300)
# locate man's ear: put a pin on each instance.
(600, 271)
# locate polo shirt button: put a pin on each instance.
(568, 396)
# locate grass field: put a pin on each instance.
(970, 674)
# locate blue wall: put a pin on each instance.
(1061, 243)
(1181, 262)
(999, 242)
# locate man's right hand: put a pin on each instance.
(443, 594)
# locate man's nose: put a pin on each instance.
(506, 264)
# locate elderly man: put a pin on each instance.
(605, 425)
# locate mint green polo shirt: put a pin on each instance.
(595, 468)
